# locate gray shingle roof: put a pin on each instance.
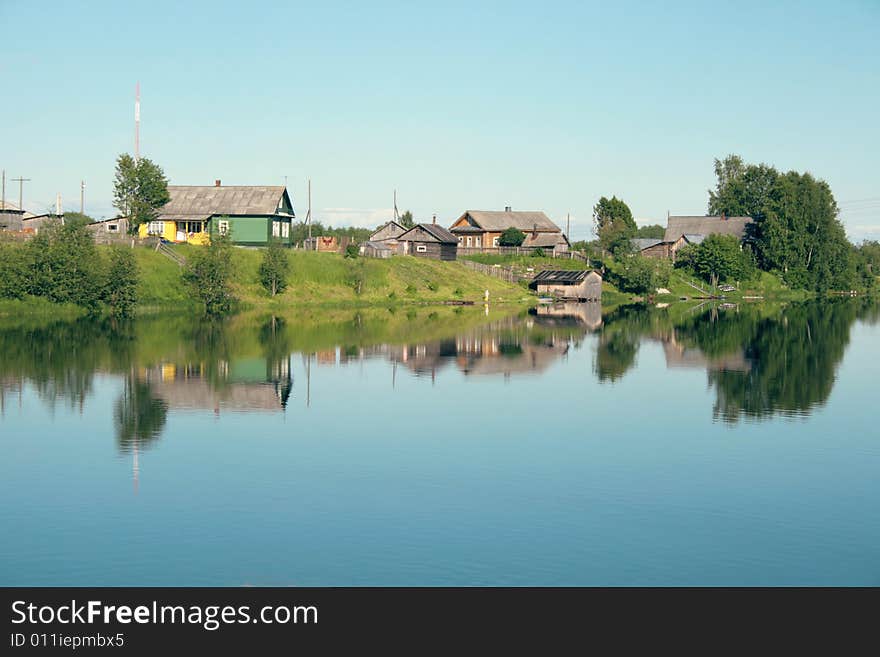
(197, 202)
(501, 220)
(542, 240)
(561, 277)
(642, 243)
(678, 226)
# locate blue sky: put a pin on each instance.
(470, 105)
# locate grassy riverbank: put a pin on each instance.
(329, 279)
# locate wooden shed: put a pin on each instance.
(569, 284)
(428, 241)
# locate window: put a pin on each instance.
(477, 241)
(469, 240)
(155, 228)
(276, 229)
(285, 229)
(460, 239)
(495, 241)
(421, 248)
(113, 228)
(223, 227)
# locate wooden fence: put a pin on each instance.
(520, 251)
(496, 271)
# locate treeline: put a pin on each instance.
(796, 234)
(62, 264)
(796, 230)
(300, 231)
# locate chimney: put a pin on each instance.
(534, 230)
(434, 221)
(507, 208)
(217, 183)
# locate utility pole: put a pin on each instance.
(21, 182)
(82, 196)
(137, 122)
(309, 212)
(396, 213)
(568, 226)
(3, 206)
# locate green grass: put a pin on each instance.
(523, 263)
(329, 279)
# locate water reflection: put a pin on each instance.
(761, 361)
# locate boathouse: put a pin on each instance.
(569, 284)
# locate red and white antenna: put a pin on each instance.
(137, 122)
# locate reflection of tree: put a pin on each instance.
(619, 342)
(138, 415)
(794, 357)
(275, 340)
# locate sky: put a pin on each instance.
(456, 105)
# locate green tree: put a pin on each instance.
(511, 237)
(406, 220)
(614, 225)
(65, 266)
(719, 258)
(796, 229)
(139, 190)
(209, 273)
(14, 274)
(655, 231)
(274, 268)
(122, 281)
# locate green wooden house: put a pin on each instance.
(250, 215)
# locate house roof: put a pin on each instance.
(642, 243)
(198, 202)
(561, 277)
(393, 229)
(502, 220)
(694, 239)
(543, 240)
(707, 225)
(439, 233)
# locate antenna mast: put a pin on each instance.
(137, 122)
(396, 213)
(309, 212)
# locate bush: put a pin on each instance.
(511, 237)
(274, 268)
(352, 250)
(209, 272)
(537, 253)
(122, 277)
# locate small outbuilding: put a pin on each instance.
(371, 249)
(428, 241)
(569, 284)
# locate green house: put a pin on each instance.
(250, 215)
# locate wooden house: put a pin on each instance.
(428, 241)
(388, 233)
(699, 227)
(482, 229)
(569, 284)
(252, 215)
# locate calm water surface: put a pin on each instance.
(686, 445)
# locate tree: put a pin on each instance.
(274, 268)
(720, 258)
(655, 231)
(511, 237)
(122, 280)
(208, 273)
(139, 190)
(406, 220)
(614, 225)
(65, 266)
(795, 231)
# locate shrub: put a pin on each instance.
(209, 272)
(274, 268)
(352, 250)
(511, 237)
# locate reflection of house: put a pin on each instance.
(428, 241)
(241, 385)
(483, 228)
(253, 215)
(588, 314)
(680, 355)
(492, 354)
(569, 284)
